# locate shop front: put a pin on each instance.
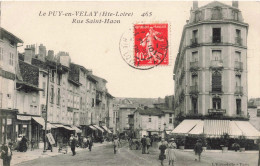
(7, 125)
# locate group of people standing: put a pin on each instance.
(73, 142)
(168, 150)
(146, 143)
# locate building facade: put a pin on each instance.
(211, 66)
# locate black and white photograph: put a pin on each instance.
(130, 83)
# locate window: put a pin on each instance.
(58, 97)
(93, 102)
(216, 13)
(238, 80)
(216, 81)
(170, 120)
(52, 95)
(235, 15)
(238, 106)
(194, 102)
(197, 16)
(216, 103)
(194, 80)
(216, 33)
(170, 115)
(52, 75)
(238, 39)
(238, 56)
(1, 53)
(43, 87)
(194, 39)
(195, 56)
(150, 119)
(216, 55)
(81, 103)
(59, 79)
(11, 59)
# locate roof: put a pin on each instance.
(150, 111)
(99, 78)
(39, 63)
(215, 4)
(29, 73)
(168, 111)
(74, 73)
(92, 78)
(10, 36)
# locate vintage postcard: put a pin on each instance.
(129, 83)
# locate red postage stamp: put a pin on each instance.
(151, 44)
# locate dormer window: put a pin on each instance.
(197, 16)
(216, 13)
(235, 15)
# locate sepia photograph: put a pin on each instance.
(130, 83)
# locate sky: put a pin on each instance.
(96, 46)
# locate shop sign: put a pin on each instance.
(24, 126)
(50, 138)
(20, 117)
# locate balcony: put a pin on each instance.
(216, 64)
(239, 90)
(238, 65)
(194, 42)
(194, 89)
(216, 111)
(216, 39)
(216, 89)
(238, 41)
(194, 65)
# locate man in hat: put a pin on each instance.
(198, 149)
(171, 151)
(6, 154)
(89, 143)
(143, 142)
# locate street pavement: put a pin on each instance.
(103, 155)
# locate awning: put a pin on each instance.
(247, 129)
(93, 128)
(62, 126)
(185, 126)
(198, 129)
(105, 128)
(98, 128)
(77, 130)
(39, 120)
(217, 128)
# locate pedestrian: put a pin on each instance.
(89, 143)
(198, 149)
(32, 144)
(73, 146)
(18, 145)
(143, 142)
(23, 144)
(162, 147)
(6, 154)
(115, 144)
(85, 142)
(171, 151)
(71, 138)
(148, 143)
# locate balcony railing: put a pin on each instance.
(238, 90)
(239, 41)
(216, 39)
(216, 88)
(238, 65)
(194, 65)
(194, 89)
(216, 111)
(216, 64)
(194, 42)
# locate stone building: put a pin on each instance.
(8, 70)
(211, 66)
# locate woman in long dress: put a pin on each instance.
(171, 151)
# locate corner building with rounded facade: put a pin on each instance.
(210, 70)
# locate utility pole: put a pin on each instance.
(46, 112)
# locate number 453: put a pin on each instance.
(147, 14)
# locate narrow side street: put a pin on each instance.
(103, 155)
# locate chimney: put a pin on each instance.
(195, 5)
(28, 54)
(42, 52)
(50, 55)
(235, 4)
(64, 58)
